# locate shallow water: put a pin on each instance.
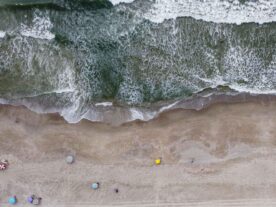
(71, 56)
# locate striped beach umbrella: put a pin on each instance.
(2, 166)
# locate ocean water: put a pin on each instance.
(122, 60)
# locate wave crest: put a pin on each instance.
(218, 11)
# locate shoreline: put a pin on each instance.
(106, 112)
(222, 155)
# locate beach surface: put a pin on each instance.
(224, 155)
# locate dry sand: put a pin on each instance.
(221, 156)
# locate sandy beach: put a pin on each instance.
(221, 156)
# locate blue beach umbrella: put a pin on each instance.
(95, 186)
(12, 200)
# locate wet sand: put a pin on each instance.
(224, 155)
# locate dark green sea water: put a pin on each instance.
(69, 56)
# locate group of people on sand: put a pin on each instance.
(33, 199)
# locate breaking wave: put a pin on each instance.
(115, 2)
(40, 28)
(2, 34)
(219, 11)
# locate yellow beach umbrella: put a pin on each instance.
(158, 161)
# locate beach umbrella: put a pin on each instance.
(95, 186)
(158, 161)
(70, 159)
(5, 162)
(30, 199)
(36, 201)
(12, 200)
(2, 166)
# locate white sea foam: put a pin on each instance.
(2, 34)
(137, 114)
(104, 104)
(240, 88)
(214, 82)
(40, 29)
(114, 2)
(58, 91)
(165, 108)
(219, 11)
(217, 81)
